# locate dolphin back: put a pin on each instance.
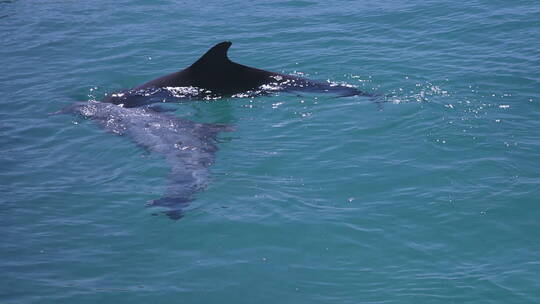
(214, 75)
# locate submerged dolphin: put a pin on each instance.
(215, 75)
(187, 146)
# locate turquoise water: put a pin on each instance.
(428, 196)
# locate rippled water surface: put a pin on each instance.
(427, 194)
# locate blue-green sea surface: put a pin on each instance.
(427, 194)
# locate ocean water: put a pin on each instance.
(428, 194)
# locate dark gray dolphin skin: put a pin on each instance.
(188, 147)
(215, 75)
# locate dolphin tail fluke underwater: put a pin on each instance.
(188, 147)
(191, 175)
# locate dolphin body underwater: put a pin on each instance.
(189, 147)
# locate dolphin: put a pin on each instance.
(214, 75)
(188, 147)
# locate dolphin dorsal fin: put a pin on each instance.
(216, 55)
